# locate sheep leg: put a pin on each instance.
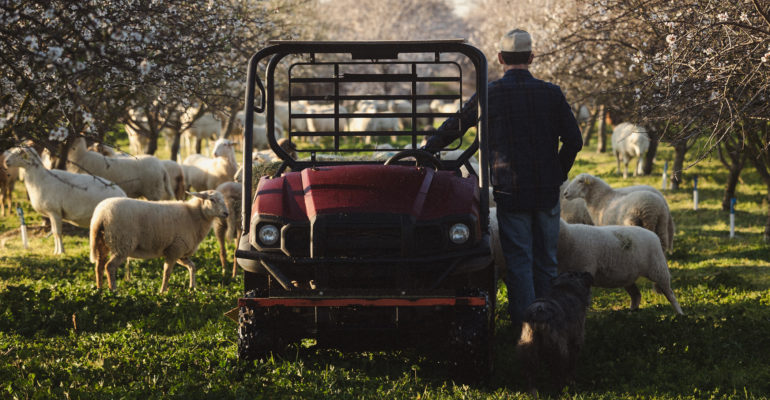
(128, 270)
(665, 288)
(235, 261)
(625, 165)
(636, 296)
(99, 270)
(190, 268)
(617, 158)
(112, 271)
(56, 230)
(222, 249)
(168, 267)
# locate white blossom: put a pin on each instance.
(58, 134)
(722, 17)
(144, 67)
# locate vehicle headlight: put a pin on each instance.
(269, 234)
(459, 233)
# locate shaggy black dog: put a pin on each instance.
(553, 330)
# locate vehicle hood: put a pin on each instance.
(420, 192)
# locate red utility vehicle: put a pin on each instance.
(362, 251)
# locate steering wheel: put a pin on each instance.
(423, 157)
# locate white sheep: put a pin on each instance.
(629, 141)
(608, 206)
(405, 107)
(176, 177)
(142, 175)
(573, 211)
(325, 124)
(616, 256)
(206, 126)
(60, 195)
(282, 115)
(204, 173)
(229, 229)
(8, 177)
(363, 124)
(146, 229)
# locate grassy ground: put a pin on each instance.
(62, 338)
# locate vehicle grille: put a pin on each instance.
(358, 241)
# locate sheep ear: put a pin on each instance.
(202, 196)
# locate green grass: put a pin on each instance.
(60, 337)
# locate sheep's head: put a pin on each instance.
(223, 148)
(21, 157)
(212, 203)
(579, 187)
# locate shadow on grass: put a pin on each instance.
(646, 351)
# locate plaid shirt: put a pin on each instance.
(527, 118)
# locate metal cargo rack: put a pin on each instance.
(332, 64)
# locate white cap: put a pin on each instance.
(516, 41)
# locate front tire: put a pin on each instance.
(256, 339)
(471, 342)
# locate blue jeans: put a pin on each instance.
(529, 240)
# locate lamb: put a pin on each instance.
(203, 173)
(176, 177)
(60, 195)
(608, 206)
(629, 141)
(169, 229)
(8, 177)
(142, 175)
(616, 256)
(229, 228)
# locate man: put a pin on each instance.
(527, 118)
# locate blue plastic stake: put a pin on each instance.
(22, 227)
(695, 193)
(665, 175)
(732, 218)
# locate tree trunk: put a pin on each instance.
(767, 224)
(732, 182)
(733, 157)
(152, 146)
(589, 128)
(652, 151)
(680, 149)
(175, 145)
(601, 147)
(230, 122)
(64, 150)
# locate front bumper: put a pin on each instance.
(431, 269)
